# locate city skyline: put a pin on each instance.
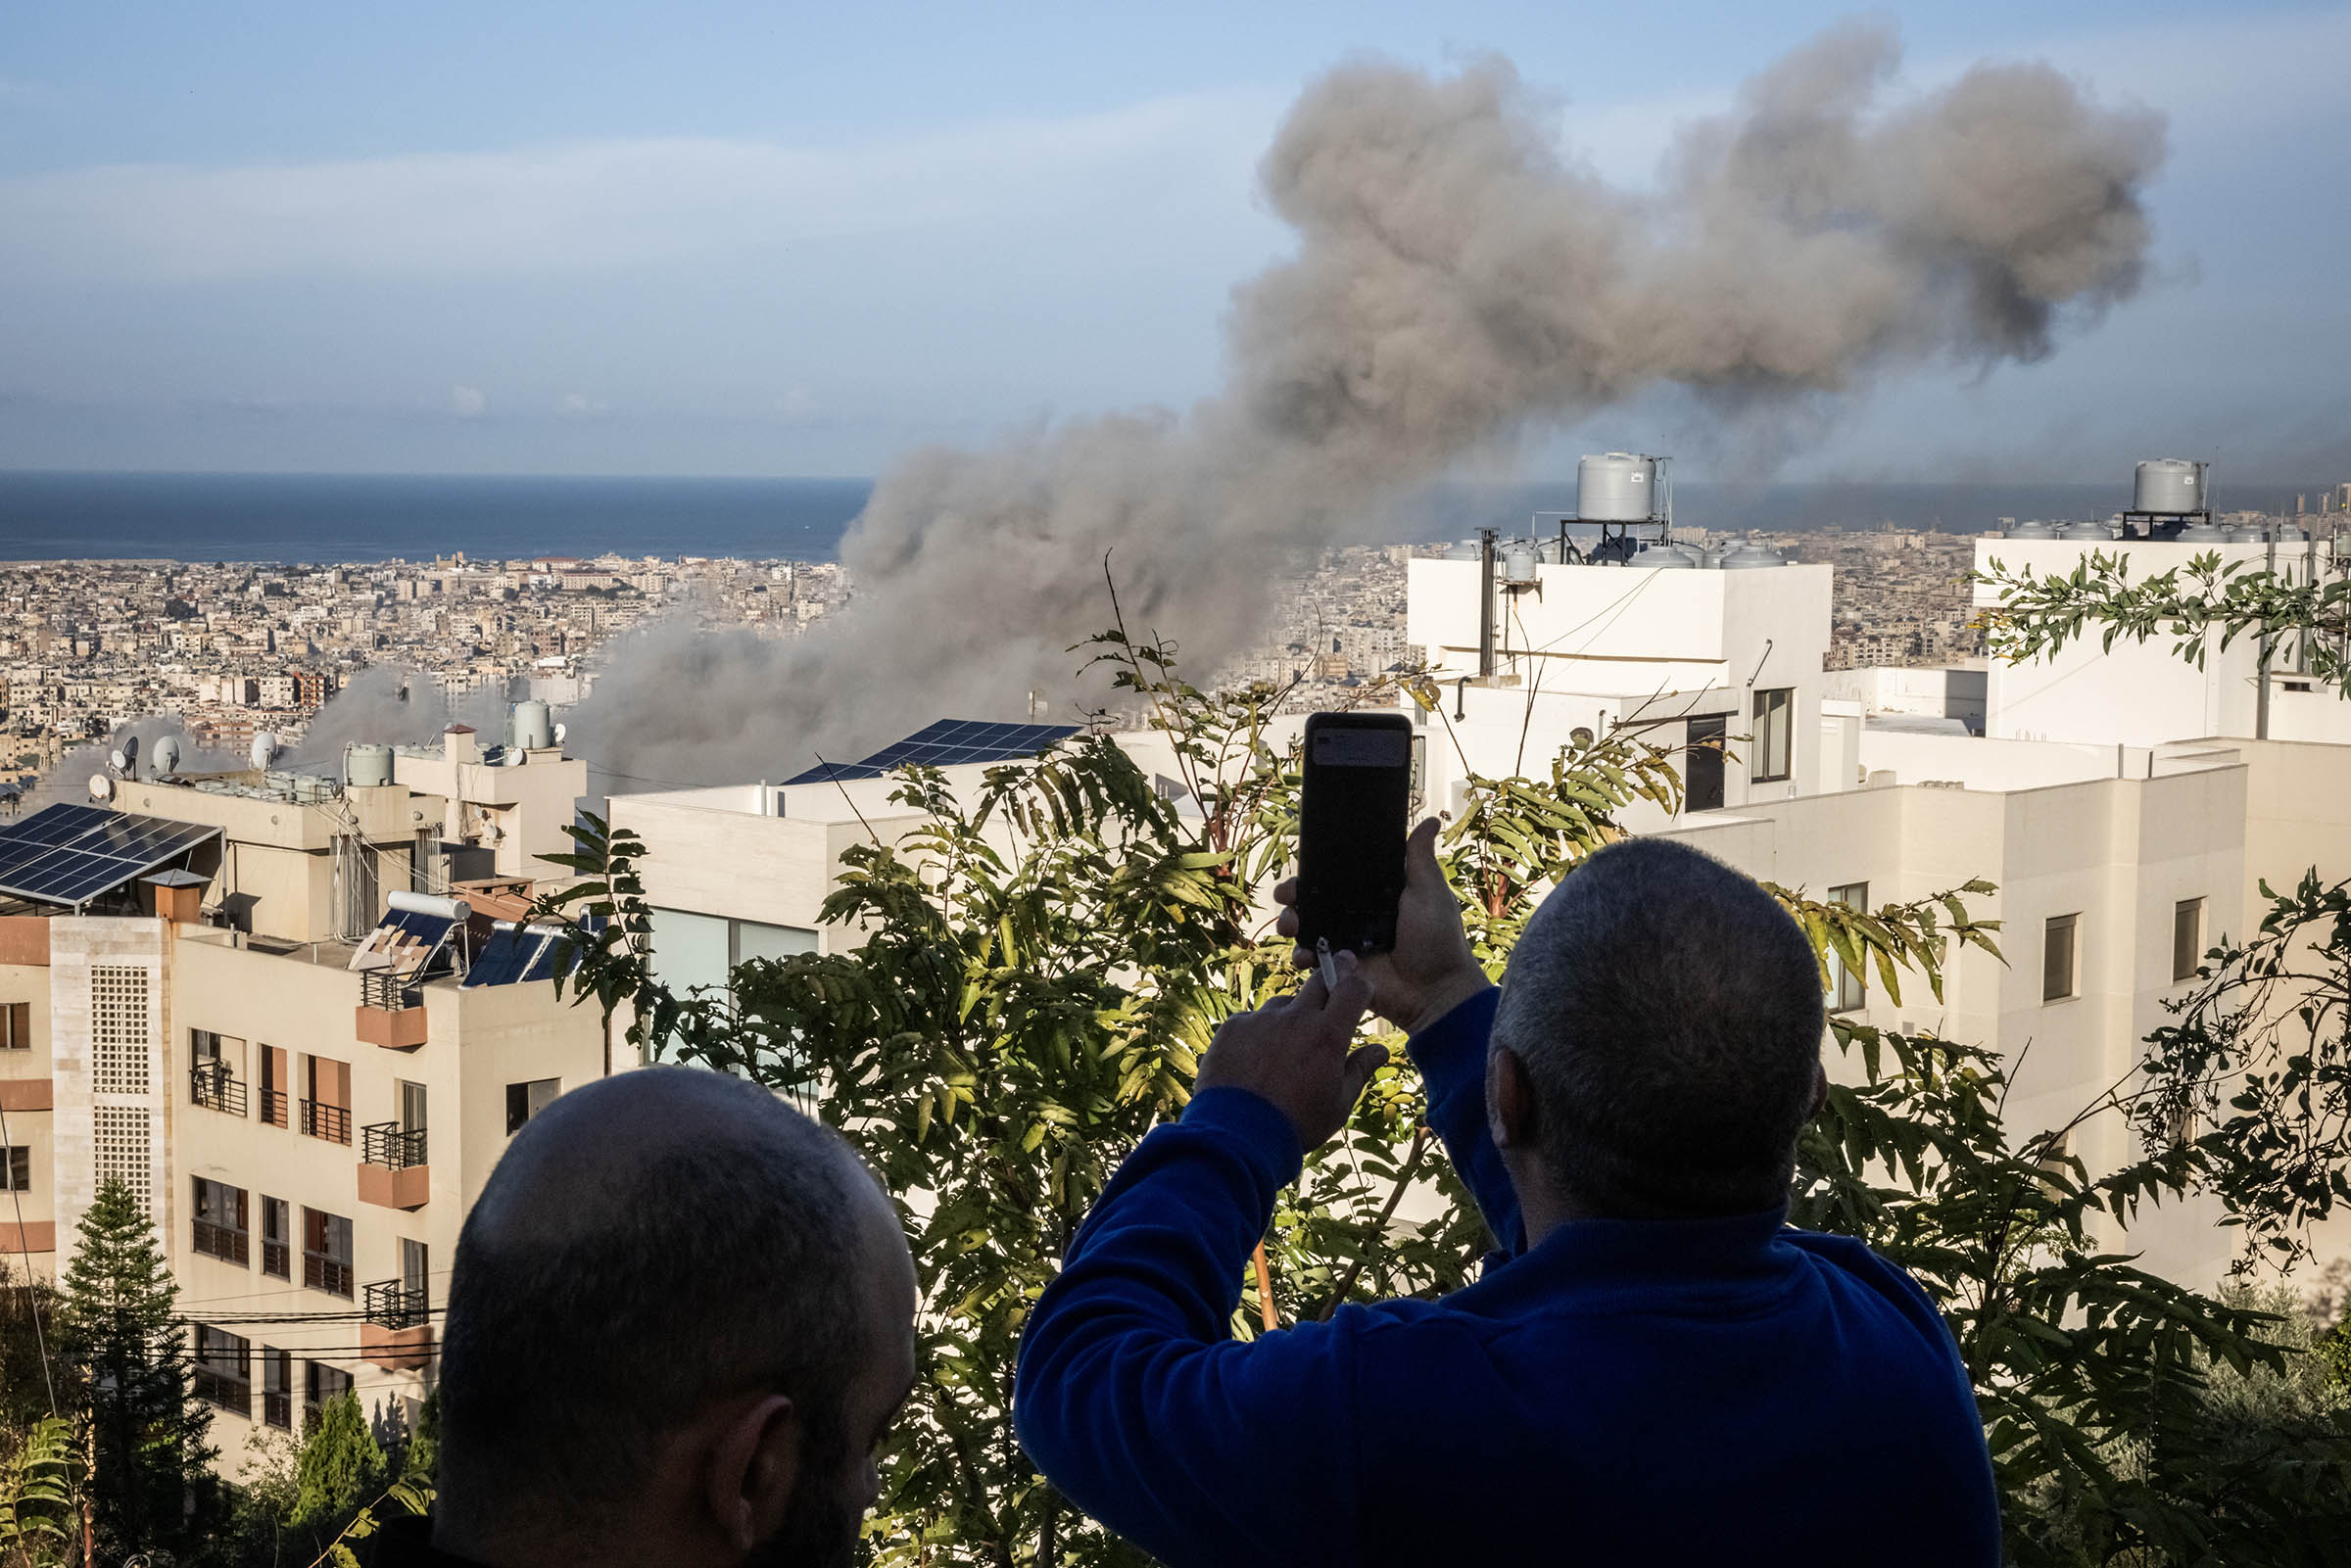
(618, 246)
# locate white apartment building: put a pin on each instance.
(261, 1001)
(2125, 805)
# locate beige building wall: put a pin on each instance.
(111, 1065)
(28, 1216)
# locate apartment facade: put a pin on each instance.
(305, 1109)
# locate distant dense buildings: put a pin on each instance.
(235, 649)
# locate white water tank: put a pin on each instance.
(367, 767)
(534, 725)
(2034, 528)
(1666, 555)
(2168, 485)
(1617, 487)
(1520, 563)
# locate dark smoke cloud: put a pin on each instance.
(1457, 285)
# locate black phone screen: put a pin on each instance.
(1352, 806)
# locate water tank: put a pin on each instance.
(2288, 533)
(2168, 485)
(2248, 536)
(534, 725)
(1617, 486)
(2033, 529)
(1519, 561)
(367, 767)
(1466, 551)
(1711, 556)
(1666, 555)
(2200, 534)
(1748, 556)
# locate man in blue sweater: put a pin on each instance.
(1652, 1368)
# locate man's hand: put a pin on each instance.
(1432, 970)
(1294, 1053)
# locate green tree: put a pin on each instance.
(341, 1463)
(39, 1506)
(1042, 962)
(129, 1350)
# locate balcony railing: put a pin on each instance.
(212, 1085)
(326, 1275)
(381, 988)
(395, 1305)
(329, 1121)
(275, 1259)
(229, 1245)
(277, 1408)
(388, 1143)
(273, 1107)
(220, 1388)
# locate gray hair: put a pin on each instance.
(648, 1243)
(1669, 1015)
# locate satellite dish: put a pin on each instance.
(129, 754)
(119, 762)
(101, 787)
(561, 730)
(265, 746)
(165, 762)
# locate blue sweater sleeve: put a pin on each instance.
(1451, 1054)
(1131, 1396)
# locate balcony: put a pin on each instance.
(273, 1107)
(277, 1408)
(228, 1245)
(397, 1334)
(329, 1121)
(329, 1274)
(391, 1012)
(276, 1261)
(393, 1173)
(212, 1085)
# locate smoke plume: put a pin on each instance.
(1458, 283)
(70, 780)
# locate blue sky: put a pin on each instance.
(771, 239)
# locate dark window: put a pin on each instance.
(322, 1384)
(326, 1253)
(16, 1025)
(1701, 782)
(1774, 750)
(223, 1370)
(16, 1168)
(2058, 957)
(277, 1235)
(2187, 938)
(526, 1100)
(219, 1225)
(1851, 991)
(277, 1388)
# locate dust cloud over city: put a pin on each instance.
(1458, 284)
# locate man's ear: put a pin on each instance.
(1509, 1100)
(754, 1469)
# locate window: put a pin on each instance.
(274, 1080)
(223, 1370)
(16, 1168)
(214, 1064)
(277, 1231)
(326, 1253)
(1850, 990)
(1702, 775)
(277, 1388)
(2058, 957)
(526, 1100)
(2187, 938)
(1774, 736)
(326, 1110)
(16, 1025)
(221, 1222)
(323, 1385)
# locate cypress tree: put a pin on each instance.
(129, 1355)
(340, 1463)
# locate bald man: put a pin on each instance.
(680, 1324)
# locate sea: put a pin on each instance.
(369, 517)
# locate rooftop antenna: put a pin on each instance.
(265, 746)
(101, 787)
(166, 760)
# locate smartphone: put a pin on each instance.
(1351, 810)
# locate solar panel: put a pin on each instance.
(70, 854)
(945, 745)
(515, 955)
